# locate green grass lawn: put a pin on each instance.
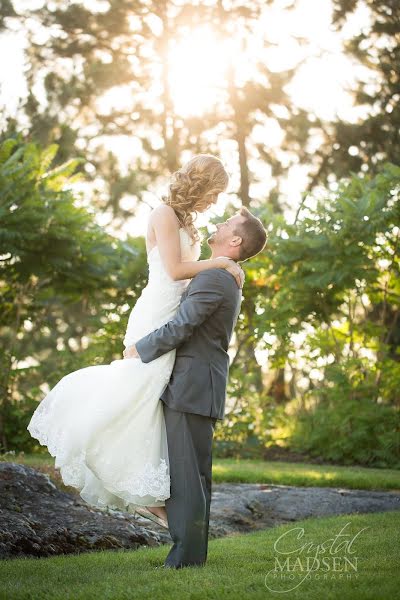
(237, 567)
(258, 471)
(286, 473)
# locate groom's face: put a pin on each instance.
(226, 231)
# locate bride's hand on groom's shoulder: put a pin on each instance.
(233, 268)
(130, 352)
(238, 274)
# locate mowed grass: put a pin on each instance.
(258, 471)
(237, 567)
(304, 474)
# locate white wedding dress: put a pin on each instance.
(105, 424)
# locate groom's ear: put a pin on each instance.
(236, 240)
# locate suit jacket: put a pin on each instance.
(200, 331)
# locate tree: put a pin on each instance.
(125, 47)
(373, 139)
(334, 277)
(59, 271)
(84, 54)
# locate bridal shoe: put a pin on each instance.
(144, 512)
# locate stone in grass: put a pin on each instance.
(37, 519)
(244, 507)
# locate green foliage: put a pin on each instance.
(332, 277)
(335, 247)
(240, 436)
(64, 281)
(16, 416)
(345, 423)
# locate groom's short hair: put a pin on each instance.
(253, 235)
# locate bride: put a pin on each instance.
(104, 424)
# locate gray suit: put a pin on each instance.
(193, 400)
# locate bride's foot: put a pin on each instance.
(159, 511)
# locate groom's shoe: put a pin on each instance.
(181, 566)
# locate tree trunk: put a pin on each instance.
(239, 120)
(277, 388)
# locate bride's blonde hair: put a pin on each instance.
(191, 188)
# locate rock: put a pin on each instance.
(244, 507)
(37, 519)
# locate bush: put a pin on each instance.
(346, 424)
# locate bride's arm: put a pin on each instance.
(166, 230)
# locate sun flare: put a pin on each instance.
(198, 66)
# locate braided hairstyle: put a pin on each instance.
(192, 188)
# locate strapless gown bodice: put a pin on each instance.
(160, 298)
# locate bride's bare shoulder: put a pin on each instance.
(163, 213)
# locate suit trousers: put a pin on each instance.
(189, 438)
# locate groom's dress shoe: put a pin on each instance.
(168, 566)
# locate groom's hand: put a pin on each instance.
(131, 352)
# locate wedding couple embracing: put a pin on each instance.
(136, 434)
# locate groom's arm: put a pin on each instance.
(204, 295)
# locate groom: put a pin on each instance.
(194, 398)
